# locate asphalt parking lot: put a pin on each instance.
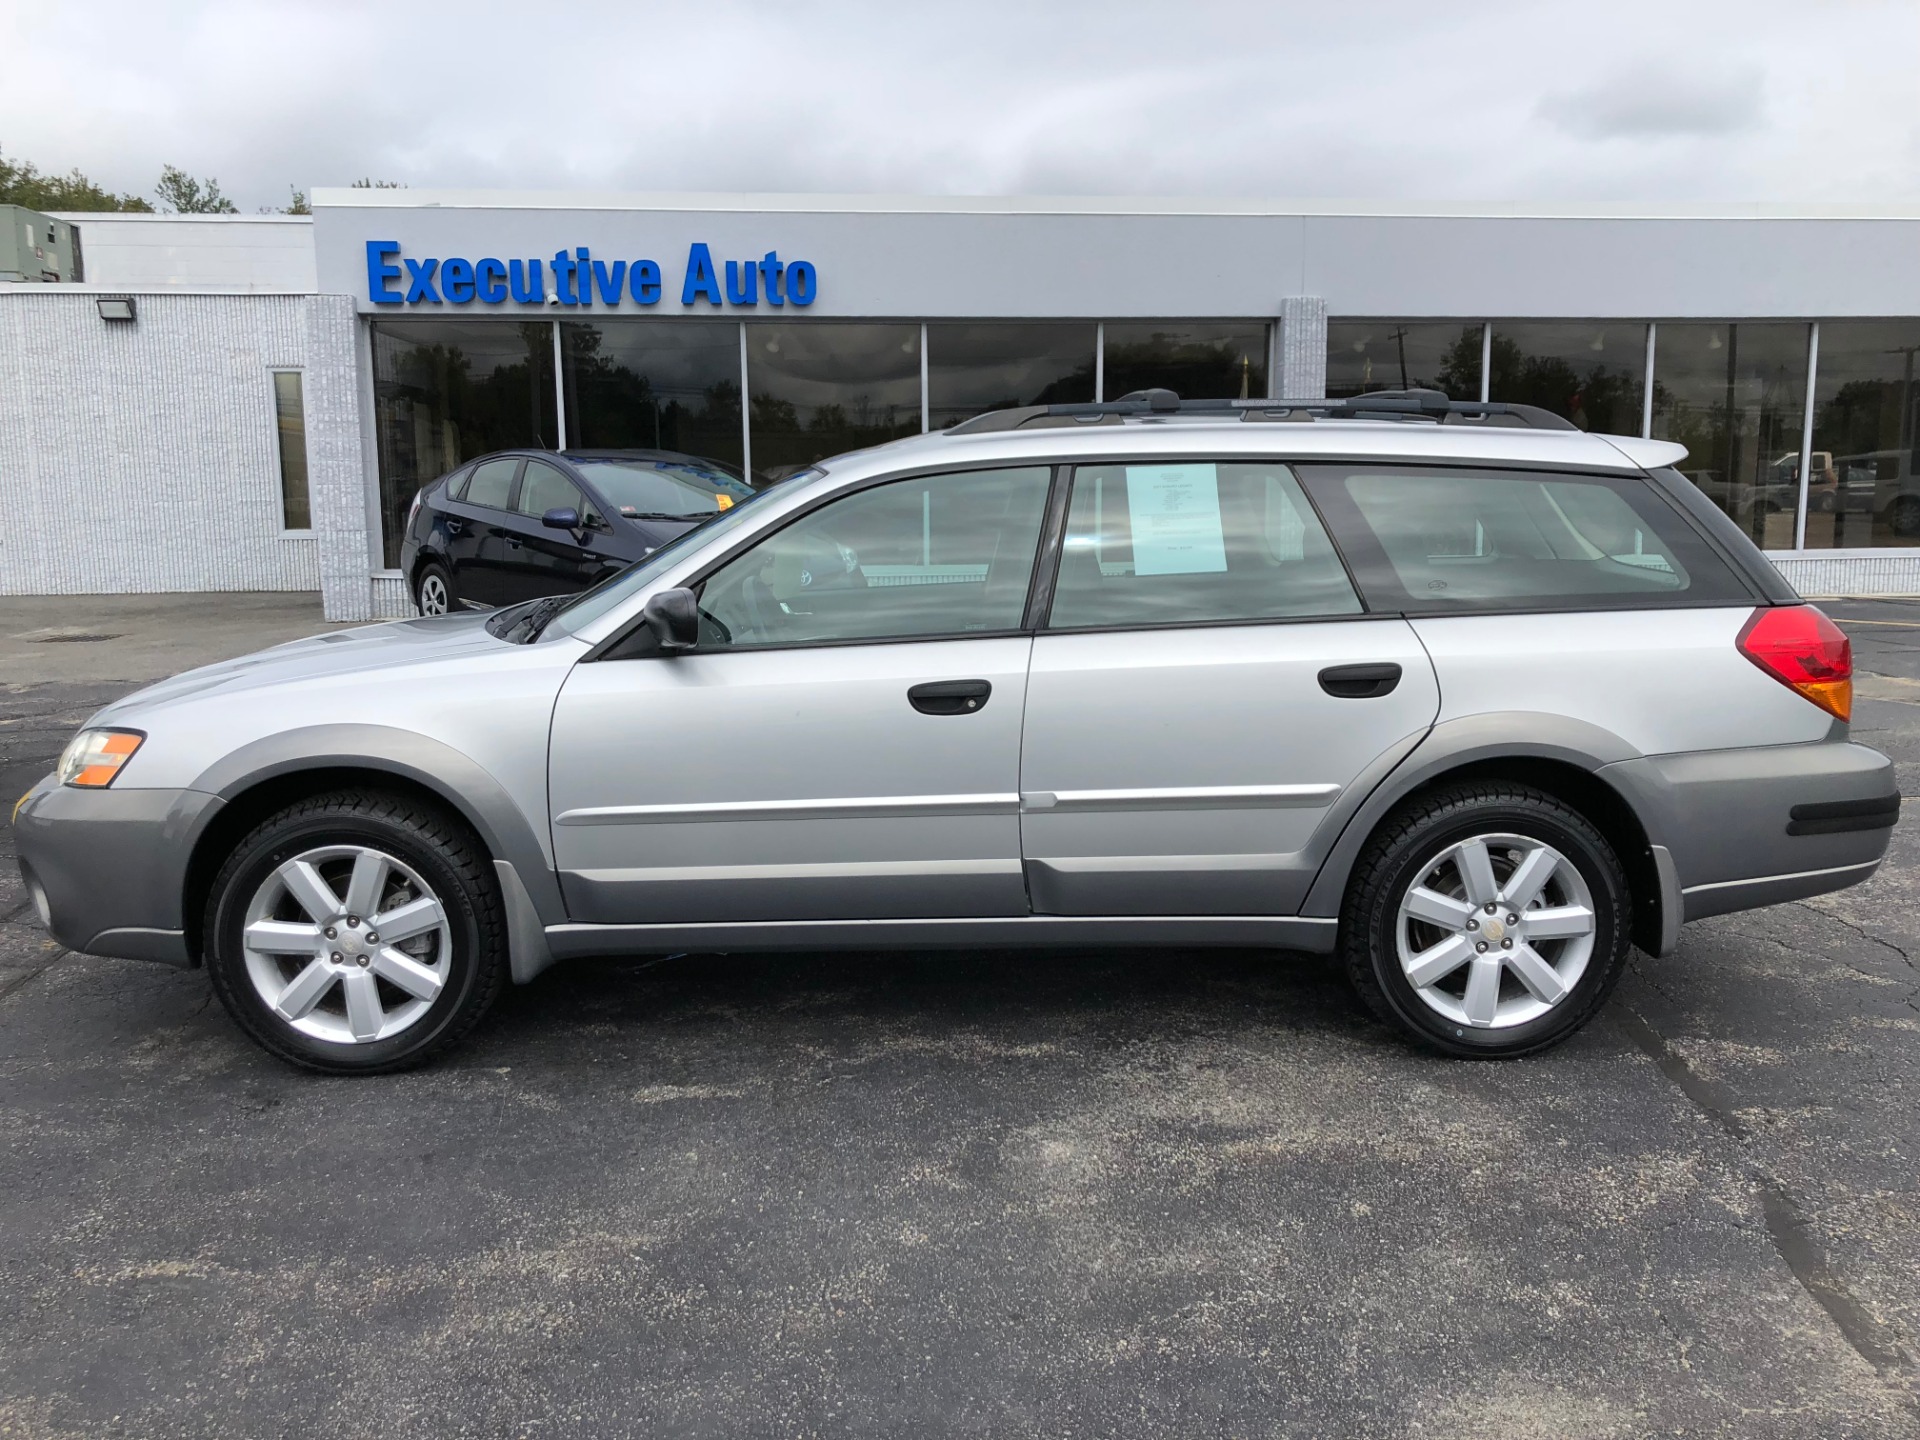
(1136, 1194)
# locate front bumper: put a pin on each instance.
(107, 868)
(1759, 826)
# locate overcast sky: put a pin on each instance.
(1603, 100)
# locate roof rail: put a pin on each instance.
(1429, 405)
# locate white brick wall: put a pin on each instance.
(143, 457)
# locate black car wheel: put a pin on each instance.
(1903, 516)
(1486, 920)
(433, 590)
(356, 933)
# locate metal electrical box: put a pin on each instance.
(37, 247)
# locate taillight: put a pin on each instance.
(1805, 651)
(413, 510)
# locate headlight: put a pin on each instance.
(94, 757)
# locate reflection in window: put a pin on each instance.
(1190, 543)
(1196, 360)
(1368, 355)
(818, 388)
(1592, 372)
(1864, 483)
(444, 392)
(938, 555)
(1734, 396)
(654, 385)
(975, 368)
(290, 415)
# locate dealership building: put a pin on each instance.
(250, 403)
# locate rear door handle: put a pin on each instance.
(949, 697)
(1360, 682)
(456, 527)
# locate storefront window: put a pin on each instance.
(1864, 483)
(818, 388)
(290, 429)
(444, 392)
(654, 385)
(1594, 373)
(1734, 395)
(975, 368)
(1197, 360)
(1368, 355)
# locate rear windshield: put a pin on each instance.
(1438, 540)
(664, 489)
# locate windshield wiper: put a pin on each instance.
(529, 620)
(664, 515)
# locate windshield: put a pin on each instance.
(680, 489)
(590, 605)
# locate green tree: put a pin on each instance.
(365, 184)
(181, 194)
(299, 205)
(22, 183)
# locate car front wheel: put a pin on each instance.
(1486, 920)
(356, 933)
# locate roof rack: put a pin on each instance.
(1429, 405)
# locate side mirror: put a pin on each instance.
(565, 518)
(674, 618)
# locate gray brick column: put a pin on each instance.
(1302, 349)
(335, 483)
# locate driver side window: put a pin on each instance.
(937, 555)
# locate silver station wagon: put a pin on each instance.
(1462, 695)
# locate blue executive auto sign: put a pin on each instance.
(577, 278)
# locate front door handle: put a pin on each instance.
(949, 697)
(1360, 682)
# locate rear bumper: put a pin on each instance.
(1759, 826)
(107, 868)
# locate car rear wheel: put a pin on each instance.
(356, 933)
(1486, 920)
(1903, 516)
(433, 590)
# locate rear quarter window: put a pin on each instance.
(1440, 540)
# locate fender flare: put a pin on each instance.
(459, 780)
(1494, 735)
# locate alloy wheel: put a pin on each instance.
(1495, 931)
(433, 596)
(347, 944)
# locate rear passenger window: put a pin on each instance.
(1439, 540)
(1187, 544)
(490, 482)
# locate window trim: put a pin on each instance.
(1350, 531)
(616, 646)
(565, 472)
(1366, 611)
(513, 483)
(308, 531)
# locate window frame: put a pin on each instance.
(1364, 554)
(519, 463)
(635, 642)
(565, 472)
(308, 531)
(1047, 626)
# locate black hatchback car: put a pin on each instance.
(521, 524)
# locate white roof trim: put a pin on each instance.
(699, 200)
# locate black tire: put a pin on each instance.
(1903, 515)
(1404, 850)
(439, 849)
(432, 574)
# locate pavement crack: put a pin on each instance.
(1787, 1225)
(8, 987)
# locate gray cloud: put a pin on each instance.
(1658, 102)
(1495, 101)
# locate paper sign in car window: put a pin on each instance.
(1175, 511)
